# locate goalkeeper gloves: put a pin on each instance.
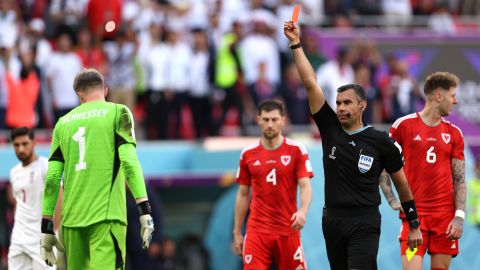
(47, 241)
(146, 223)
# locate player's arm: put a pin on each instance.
(300, 217)
(386, 187)
(10, 198)
(408, 204)
(316, 98)
(455, 228)
(241, 206)
(125, 143)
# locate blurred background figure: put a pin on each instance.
(63, 66)
(335, 73)
(137, 257)
(473, 197)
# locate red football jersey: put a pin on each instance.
(428, 152)
(273, 175)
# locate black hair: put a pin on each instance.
(270, 105)
(22, 131)
(359, 91)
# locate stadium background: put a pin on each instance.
(194, 178)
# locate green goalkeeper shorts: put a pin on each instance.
(99, 246)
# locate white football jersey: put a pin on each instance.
(27, 187)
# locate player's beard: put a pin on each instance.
(23, 157)
(270, 134)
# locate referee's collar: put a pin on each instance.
(353, 132)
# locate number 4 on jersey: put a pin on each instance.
(79, 137)
(272, 177)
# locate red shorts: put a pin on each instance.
(433, 228)
(260, 249)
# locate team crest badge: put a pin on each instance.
(365, 163)
(446, 137)
(248, 258)
(285, 160)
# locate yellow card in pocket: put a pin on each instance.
(410, 252)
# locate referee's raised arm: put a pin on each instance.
(316, 98)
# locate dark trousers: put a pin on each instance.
(352, 238)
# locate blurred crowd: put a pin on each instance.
(189, 68)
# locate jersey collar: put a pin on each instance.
(357, 130)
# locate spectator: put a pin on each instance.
(178, 74)
(403, 91)
(335, 73)
(229, 76)
(137, 257)
(121, 76)
(441, 21)
(66, 15)
(200, 88)
(295, 97)
(90, 53)
(372, 95)
(23, 94)
(159, 100)
(63, 66)
(99, 13)
(473, 215)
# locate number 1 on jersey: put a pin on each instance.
(79, 137)
(272, 177)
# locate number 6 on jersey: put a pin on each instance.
(79, 137)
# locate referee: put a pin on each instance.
(354, 156)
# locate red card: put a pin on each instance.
(296, 12)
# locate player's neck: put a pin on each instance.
(430, 116)
(30, 160)
(273, 143)
(91, 98)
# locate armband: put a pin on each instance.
(144, 208)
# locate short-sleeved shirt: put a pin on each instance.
(27, 188)
(353, 161)
(86, 140)
(428, 153)
(273, 176)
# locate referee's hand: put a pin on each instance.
(299, 219)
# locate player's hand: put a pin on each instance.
(455, 228)
(299, 219)
(415, 238)
(238, 244)
(291, 32)
(146, 230)
(47, 242)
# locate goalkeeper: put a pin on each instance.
(93, 147)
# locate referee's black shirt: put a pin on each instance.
(353, 162)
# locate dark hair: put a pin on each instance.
(22, 131)
(442, 80)
(87, 79)
(270, 105)
(356, 87)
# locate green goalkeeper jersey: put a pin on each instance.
(87, 142)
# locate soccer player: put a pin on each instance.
(27, 180)
(435, 169)
(93, 146)
(272, 169)
(354, 156)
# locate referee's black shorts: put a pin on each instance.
(351, 237)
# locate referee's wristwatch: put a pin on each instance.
(414, 224)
